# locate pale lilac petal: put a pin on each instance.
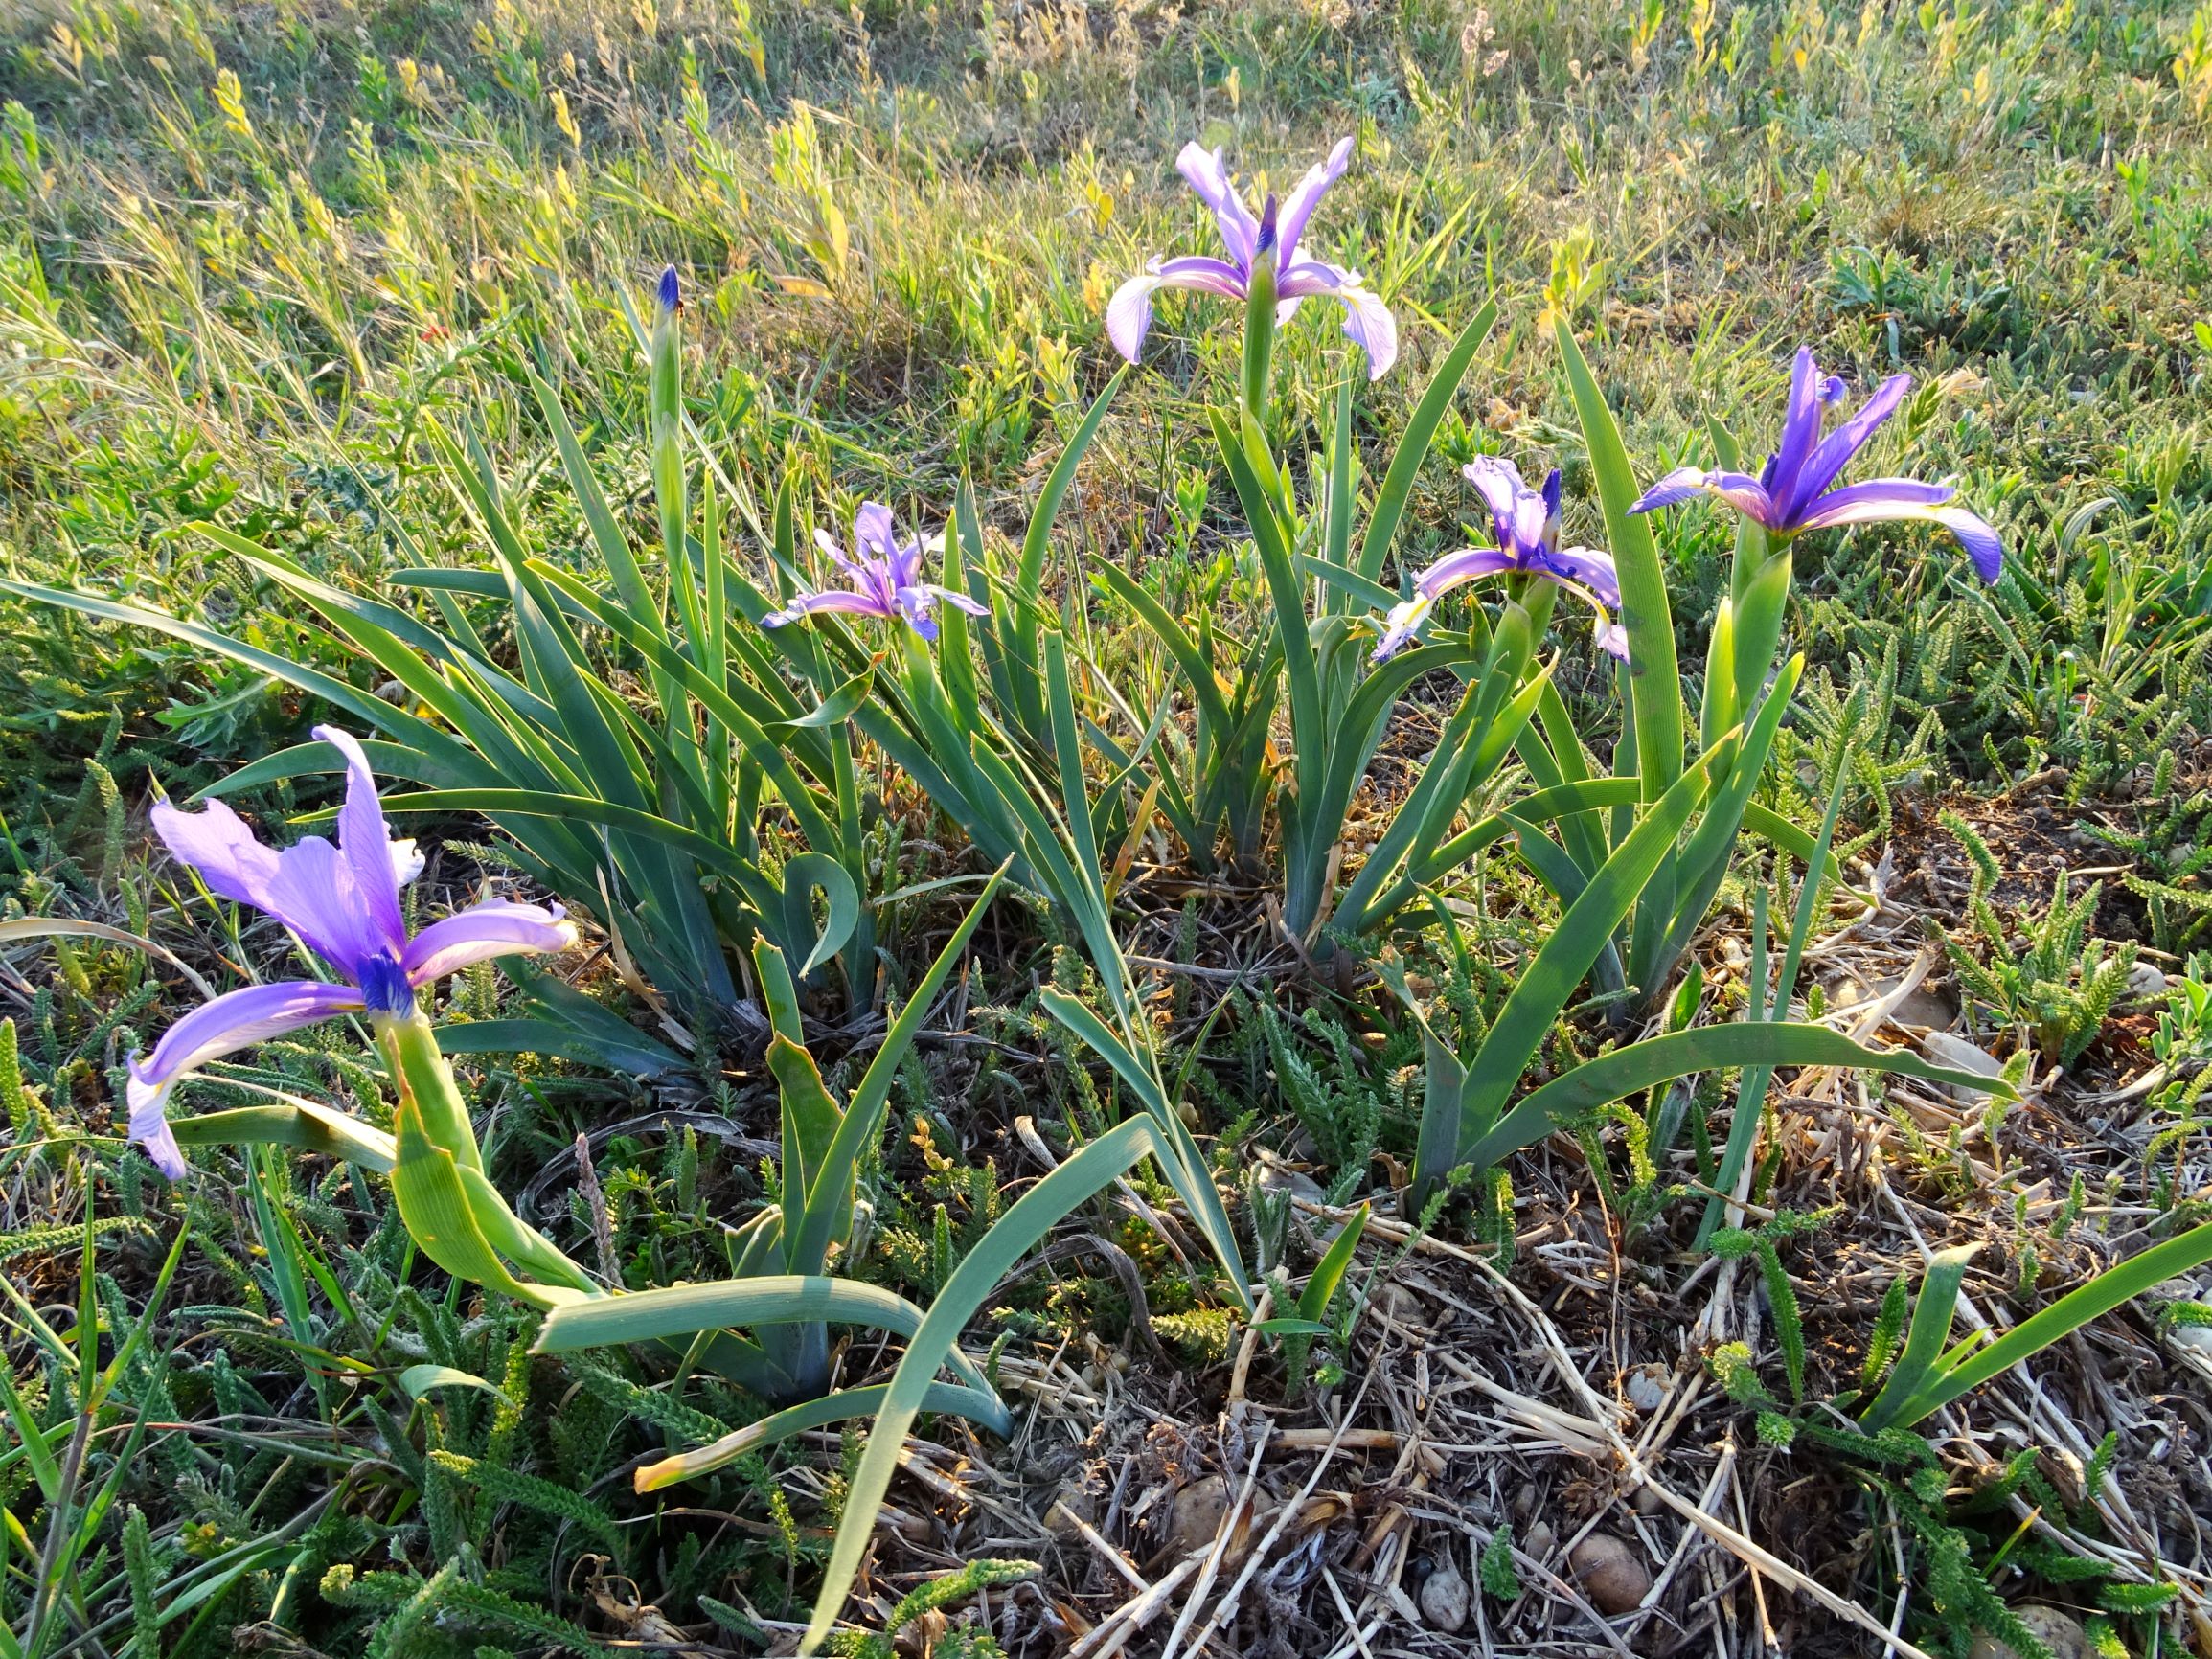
(1207, 174)
(1746, 494)
(917, 607)
(1369, 325)
(365, 842)
(235, 1020)
(149, 1132)
(1977, 536)
(1202, 274)
(497, 927)
(1892, 492)
(1530, 518)
(1590, 569)
(875, 532)
(1498, 483)
(1839, 448)
(1308, 278)
(1467, 564)
(1611, 637)
(836, 551)
(316, 895)
(1684, 483)
(1367, 321)
(1129, 315)
(807, 604)
(1303, 200)
(1889, 506)
(959, 600)
(1402, 622)
(1800, 425)
(1740, 490)
(217, 843)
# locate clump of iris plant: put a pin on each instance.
(1263, 263)
(884, 578)
(1525, 525)
(342, 900)
(1796, 490)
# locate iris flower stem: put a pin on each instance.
(1259, 339)
(1759, 585)
(408, 1044)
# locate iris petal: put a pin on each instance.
(1304, 199)
(1837, 450)
(1588, 568)
(1206, 173)
(807, 604)
(1800, 425)
(1498, 483)
(221, 845)
(365, 843)
(234, 1020)
(497, 927)
(1884, 503)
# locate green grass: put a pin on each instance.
(250, 255)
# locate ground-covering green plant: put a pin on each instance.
(359, 320)
(2050, 979)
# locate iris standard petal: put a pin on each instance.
(1888, 505)
(497, 927)
(234, 1020)
(1305, 198)
(1466, 565)
(1837, 450)
(365, 843)
(875, 532)
(1800, 425)
(1531, 519)
(314, 896)
(1206, 173)
(1498, 483)
(221, 845)
(1588, 568)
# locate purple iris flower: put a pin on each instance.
(1367, 321)
(343, 901)
(885, 579)
(1526, 525)
(1793, 492)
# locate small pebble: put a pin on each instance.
(1646, 1387)
(1445, 1598)
(1609, 1573)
